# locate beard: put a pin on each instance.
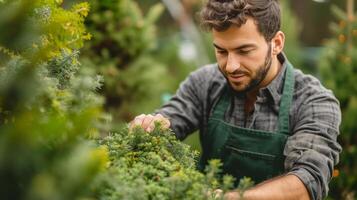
(257, 79)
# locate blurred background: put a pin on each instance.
(132, 56)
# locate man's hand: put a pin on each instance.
(147, 122)
(233, 195)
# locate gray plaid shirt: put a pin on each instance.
(311, 151)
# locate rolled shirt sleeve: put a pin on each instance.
(184, 110)
(312, 151)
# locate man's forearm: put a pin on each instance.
(288, 187)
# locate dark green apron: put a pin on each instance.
(247, 152)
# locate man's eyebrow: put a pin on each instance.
(244, 46)
(218, 47)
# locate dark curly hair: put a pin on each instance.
(221, 14)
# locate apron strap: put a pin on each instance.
(286, 100)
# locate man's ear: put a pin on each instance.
(278, 42)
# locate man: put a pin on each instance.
(256, 113)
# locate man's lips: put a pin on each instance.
(236, 77)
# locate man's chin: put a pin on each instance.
(238, 87)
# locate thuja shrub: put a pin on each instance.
(338, 67)
(48, 105)
(46, 49)
(158, 166)
(121, 50)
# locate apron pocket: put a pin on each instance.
(258, 166)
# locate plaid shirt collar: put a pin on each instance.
(275, 89)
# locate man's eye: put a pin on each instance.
(243, 52)
(221, 52)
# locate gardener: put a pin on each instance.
(260, 116)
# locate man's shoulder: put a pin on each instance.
(209, 69)
(208, 74)
(207, 81)
(308, 86)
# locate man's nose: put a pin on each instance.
(232, 64)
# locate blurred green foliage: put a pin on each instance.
(292, 28)
(48, 105)
(338, 66)
(138, 70)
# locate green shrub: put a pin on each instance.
(138, 67)
(48, 104)
(158, 166)
(338, 66)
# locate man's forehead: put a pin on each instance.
(234, 36)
